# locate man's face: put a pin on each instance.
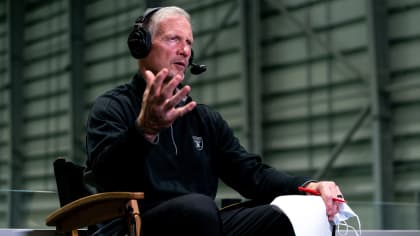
(171, 46)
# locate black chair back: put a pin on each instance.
(70, 181)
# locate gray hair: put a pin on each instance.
(163, 13)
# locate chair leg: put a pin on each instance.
(74, 232)
(134, 219)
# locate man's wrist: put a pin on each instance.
(312, 185)
(306, 183)
(152, 138)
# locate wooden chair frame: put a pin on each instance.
(94, 208)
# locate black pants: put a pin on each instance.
(198, 215)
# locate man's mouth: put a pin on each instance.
(180, 64)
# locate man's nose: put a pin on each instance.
(185, 50)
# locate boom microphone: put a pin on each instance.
(197, 69)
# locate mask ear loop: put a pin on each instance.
(347, 227)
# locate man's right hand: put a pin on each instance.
(159, 100)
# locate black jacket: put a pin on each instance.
(190, 156)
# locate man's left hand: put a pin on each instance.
(328, 190)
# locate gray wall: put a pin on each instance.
(308, 84)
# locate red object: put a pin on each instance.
(314, 192)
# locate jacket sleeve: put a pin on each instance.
(114, 146)
(244, 171)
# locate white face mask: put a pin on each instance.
(345, 213)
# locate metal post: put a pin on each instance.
(381, 113)
(251, 73)
(417, 201)
(16, 44)
(77, 16)
(153, 3)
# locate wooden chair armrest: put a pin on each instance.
(91, 210)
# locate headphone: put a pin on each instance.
(140, 41)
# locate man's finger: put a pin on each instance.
(187, 108)
(149, 77)
(169, 88)
(155, 81)
(181, 111)
(161, 76)
(177, 98)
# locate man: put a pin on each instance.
(149, 135)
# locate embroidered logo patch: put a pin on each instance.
(198, 142)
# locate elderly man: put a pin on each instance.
(149, 135)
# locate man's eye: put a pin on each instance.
(173, 39)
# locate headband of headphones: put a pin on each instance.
(143, 20)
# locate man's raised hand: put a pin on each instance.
(159, 102)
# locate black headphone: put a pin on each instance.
(140, 41)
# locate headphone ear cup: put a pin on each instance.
(139, 42)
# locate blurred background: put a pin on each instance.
(329, 89)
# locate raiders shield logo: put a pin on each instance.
(198, 143)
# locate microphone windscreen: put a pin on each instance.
(197, 69)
